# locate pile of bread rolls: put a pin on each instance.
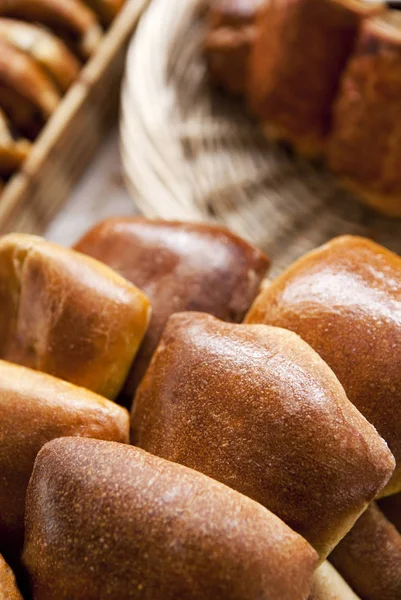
(43, 45)
(323, 76)
(265, 418)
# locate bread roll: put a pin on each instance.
(13, 152)
(228, 44)
(180, 266)
(36, 408)
(329, 585)
(369, 557)
(391, 507)
(364, 147)
(299, 54)
(68, 315)
(344, 299)
(106, 10)
(109, 522)
(24, 116)
(8, 586)
(257, 409)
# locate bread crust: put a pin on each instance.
(344, 299)
(131, 525)
(257, 409)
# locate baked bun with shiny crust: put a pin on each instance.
(369, 557)
(329, 585)
(257, 409)
(36, 408)
(106, 521)
(344, 299)
(8, 585)
(68, 315)
(180, 266)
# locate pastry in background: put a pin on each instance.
(131, 525)
(73, 20)
(21, 73)
(35, 409)
(344, 299)
(51, 54)
(369, 557)
(179, 266)
(300, 51)
(231, 32)
(365, 145)
(329, 585)
(257, 409)
(8, 585)
(68, 315)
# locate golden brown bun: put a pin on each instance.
(299, 54)
(180, 266)
(8, 586)
(70, 17)
(369, 557)
(344, 299)
(329, 585)
(391, 507)
(364, 147)
(68, 315)
(45, 48)
(22, 74)
(257, 409)
(36, 408)
(111, 522)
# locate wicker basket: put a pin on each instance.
(190, 153)
(73, 134)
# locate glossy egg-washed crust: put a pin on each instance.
(180, 266)
(329, 585)
(298, 57)
(68, 315)
(257, 409)
(369, 557)
(8, 586)
(365, 144)
(344, 299)
(36, 408)
(133, 526)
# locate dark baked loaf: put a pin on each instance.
(257, 409)
(297, 60)
(180, 266)
(365, 143)
(135, 527)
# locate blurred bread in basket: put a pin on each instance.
(43, 45)
(322, 76)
